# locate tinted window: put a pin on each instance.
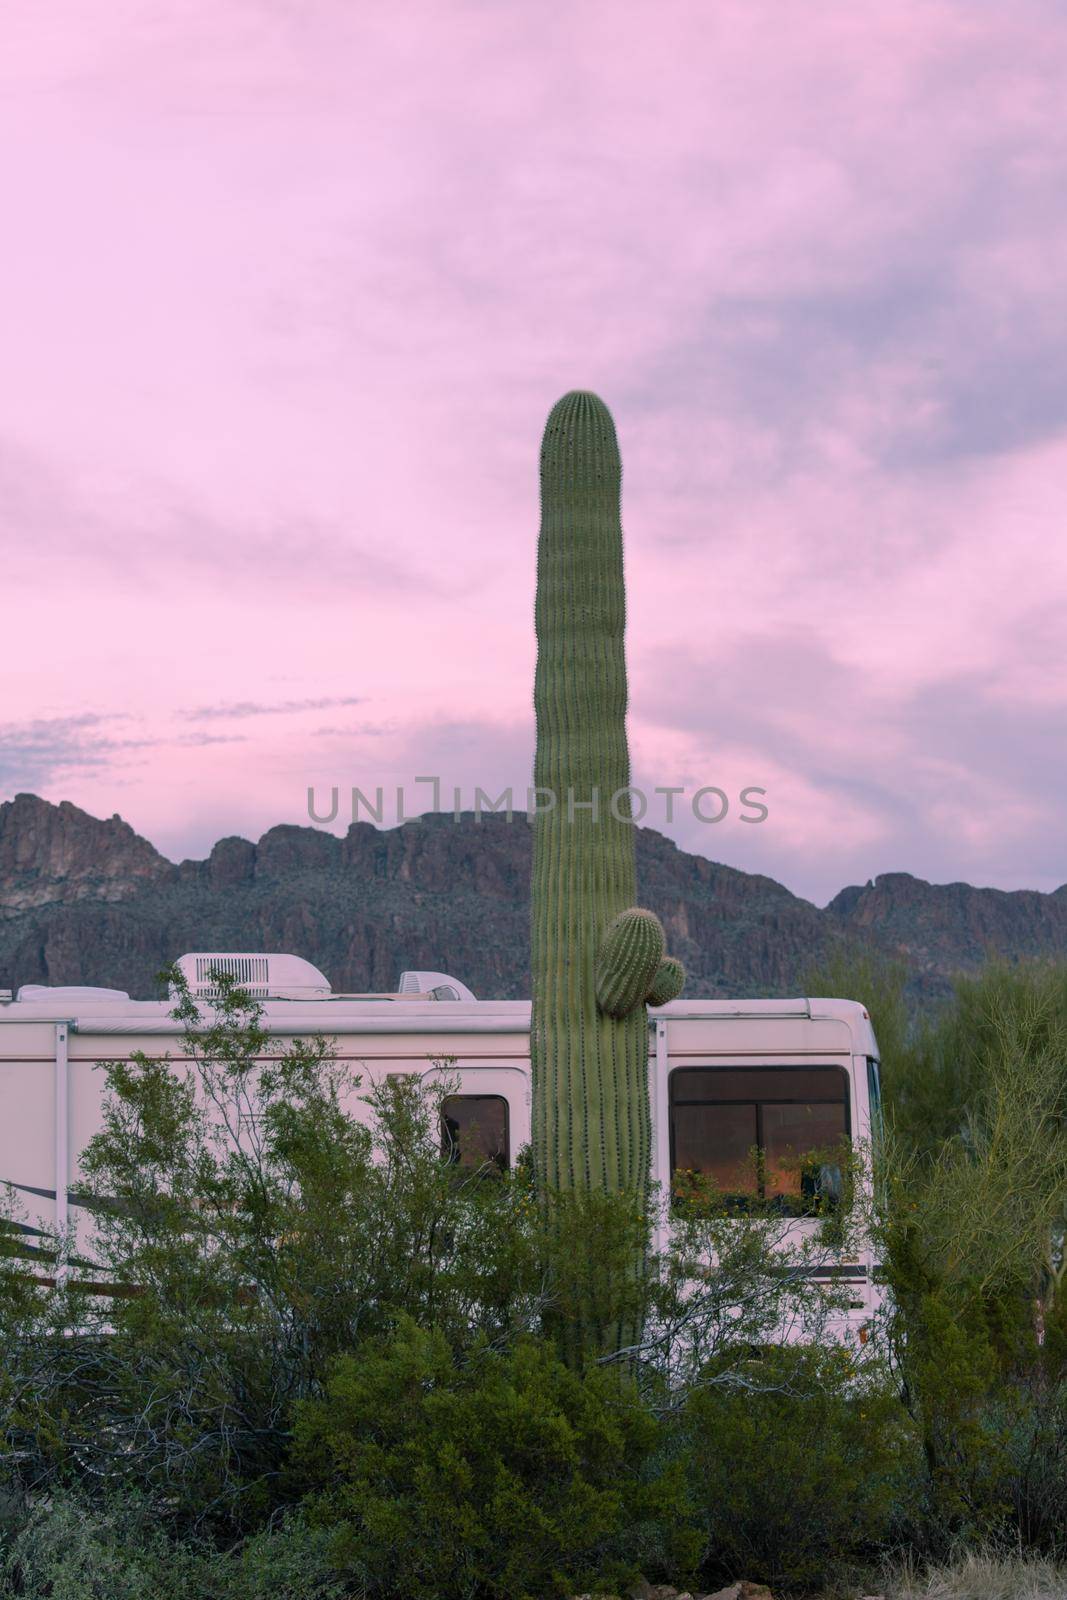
(874, 1091)
(748, 1130)
(718, 1141)
(788, 1133)
(474, 1130)
(716, 1084)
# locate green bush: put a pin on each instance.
(504, 1474)
(972, 1202)
(63, 1549)
(972, 1237)
(991, 1405)
(264, 1231)
(801, 1465)
(935, 1083)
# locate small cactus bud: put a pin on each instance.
(668, 982)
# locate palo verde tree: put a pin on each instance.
(597, 960)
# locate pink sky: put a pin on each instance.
(287, 291)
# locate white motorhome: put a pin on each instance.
(724, 1076)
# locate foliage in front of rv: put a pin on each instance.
(331, 1373)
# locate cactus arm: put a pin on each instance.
(631, 968)
(629, 957)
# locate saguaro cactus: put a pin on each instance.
(596, 958)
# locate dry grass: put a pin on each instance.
(984, 1578)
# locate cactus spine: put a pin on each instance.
(596, 959)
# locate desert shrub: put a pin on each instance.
(993, 1424)
(937, 1078)
(972, 1232)
(63, 1548)
(802, 1465)
(1034, 1430)
(260, 1231)
(972, 1216)
(504, 1474)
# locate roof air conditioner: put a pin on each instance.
(434, 986)
(265, 977)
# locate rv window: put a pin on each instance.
(748, 1130)
(474, 1130)
(874, 1093)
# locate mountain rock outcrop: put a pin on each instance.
(89, 901)
(53, 855)
(940, 928)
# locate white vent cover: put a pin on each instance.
(434, 986)
(80, 992)
(274, 977)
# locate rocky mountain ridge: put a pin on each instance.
(83, 900)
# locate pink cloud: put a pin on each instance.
(286, 295)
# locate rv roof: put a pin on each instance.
(418, 1015)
